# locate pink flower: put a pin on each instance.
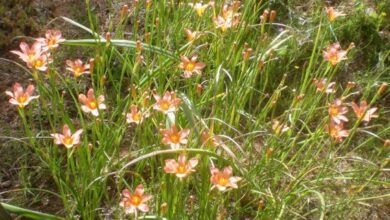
(91, 104)
(223, 180)
(228, 18)
(168, 103)
(323, 86)
(337, 111)
(334, 54)
(132, 202)
(135, 116)
(33, 56)
(20, 97)
(175, 138)
(362, 111)
(77, 67)
(336, 131)
(191, 66)
(224, 23)
(181, 168)
(51, 40)
(66, 138)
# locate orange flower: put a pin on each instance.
(334, 54)
(135, 116)
(77, 67)
(191, 35)
(132, 202)
(332, 14)
(181, 168)
(175, 138)
(199, 7)
(20, 97)
(191, 66)
(336, 131)
(66, 138)
(33, 56)
(168, 103)
(323, 86)
(91, 104)
(362, 111)
(223, 180)
(337, 111)
(51, 40)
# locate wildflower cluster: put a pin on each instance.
(37, 57)
(337, 114)
(131, 128)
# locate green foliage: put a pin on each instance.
(257, 104)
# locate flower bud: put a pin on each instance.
(199, 89)
(269, 152)
(148, 4)
(138, 46)
(124, 11)
(91, 65)
(272, 16)
(387, 143)
(133, 91)
(265, 15)
(383, 88)
(164, 208)
(108, 37)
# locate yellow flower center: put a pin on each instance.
(77, 71)
(38, 63)
(333, 59)
(22, 99)
(175, 138)
(222, 181)
(333, 111)
(135, 200)
(51, 42)
(68, 140)
(31, 57)
(333, 132)
(181, 169)
(92, 105)
(136, 117)
(190, 67)
(164, 105)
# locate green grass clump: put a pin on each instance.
(272, 103)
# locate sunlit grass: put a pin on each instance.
(213, 111)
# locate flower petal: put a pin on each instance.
(143, 208)
(139, 190)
